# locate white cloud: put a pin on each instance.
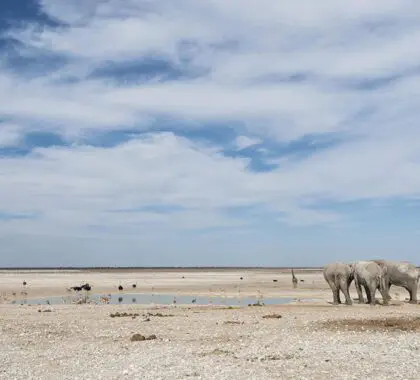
(328, 43)
(243, 142)
(93, 186)
(10, 135)
(282, 71)
(89, 186)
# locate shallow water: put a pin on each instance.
(146, 299)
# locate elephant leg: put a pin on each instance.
(385, 299)
(359, 291)
(413, 293)
(383, 290)
(372, 291)
(368, 294)
(335, 292)
(388, 288)
(345, 289)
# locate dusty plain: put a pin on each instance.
(308, 338)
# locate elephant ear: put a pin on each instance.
(381, 263)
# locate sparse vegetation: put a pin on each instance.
(401, 323)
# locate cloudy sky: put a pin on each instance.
(208, 132)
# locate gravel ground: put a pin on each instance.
(307, 342)
(311, 339)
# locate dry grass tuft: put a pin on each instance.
(216, 351)
(233, 323)
(403, 323)
(272, 316)
(158, 315)
(121, 315)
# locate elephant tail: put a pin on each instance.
(336, 278)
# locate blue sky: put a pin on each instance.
(208, 133)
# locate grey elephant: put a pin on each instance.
(339, 277)
(371, 276)
(400, 273)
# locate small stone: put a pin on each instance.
(137, 338)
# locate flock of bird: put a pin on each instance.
(88, 288)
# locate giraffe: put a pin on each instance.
(294, 279)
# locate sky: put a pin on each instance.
(212, 132)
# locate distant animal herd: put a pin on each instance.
(371, 275)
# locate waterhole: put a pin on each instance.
(158, 299)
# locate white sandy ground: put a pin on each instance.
(84, 342)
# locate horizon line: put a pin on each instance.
(158, 267)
